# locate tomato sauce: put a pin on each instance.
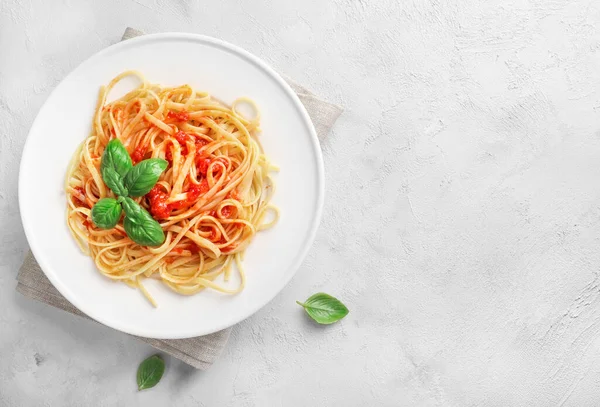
(200, 142)
(196, 190)
(202, 164)
(226, 211)
(158, 199)
(79, 197)
(182, 116)
(158, 202)
(192, 248)
(181, 138)
(138, 154)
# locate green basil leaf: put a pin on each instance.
(145, 232)
(142, 177)
(115, 156)
(324, 308)
(140, 225)
(106, 213)
(150, 372)
(132, 208)
(114, 181)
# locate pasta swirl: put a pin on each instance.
(210, 201)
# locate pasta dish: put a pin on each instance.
(171, 184)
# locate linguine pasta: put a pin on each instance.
(210, 201)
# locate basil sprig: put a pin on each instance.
(125, 180)
(106, 213)
(141, 178)
(115, 164)
(324, 308)
(150, 372)
(140, 225)
(115, 156)
(114, 181)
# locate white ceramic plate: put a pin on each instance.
(227, 72)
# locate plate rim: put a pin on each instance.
(237, 50)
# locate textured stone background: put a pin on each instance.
(461, 223)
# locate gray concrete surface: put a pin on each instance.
(461, 223)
